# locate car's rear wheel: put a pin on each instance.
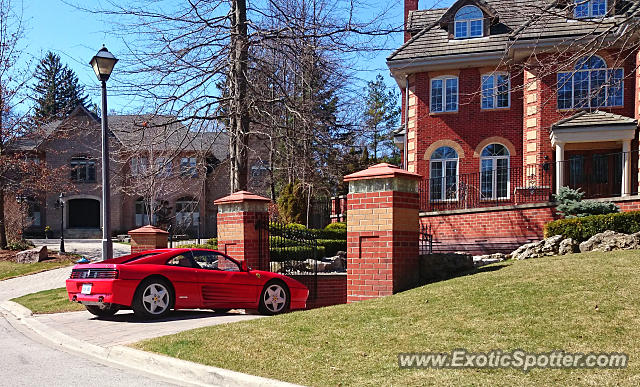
(274, 298)
(104, 310)
(153, 299)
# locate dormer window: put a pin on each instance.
(590, 8)
(469, 22)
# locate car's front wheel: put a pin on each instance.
(152, 299)
(104, 310)
(274, 298)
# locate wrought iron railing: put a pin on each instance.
(494, 187)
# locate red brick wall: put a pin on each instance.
(239, 238)
(331, 289)
(382, 243)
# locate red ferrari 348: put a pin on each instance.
(154, 282)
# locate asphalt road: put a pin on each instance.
(26, 362)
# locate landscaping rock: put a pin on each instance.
(545, 247)
(611, 240)
(482, 260)
(568, 246)
(444, 265)
(337, 264)
(38, 254)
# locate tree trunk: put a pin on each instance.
(239, 123)
(3, 228)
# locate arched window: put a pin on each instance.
(494, 172)
(590, 8)
(142, 213)
(443, 182)
(590, 85)
(187, 214)
(469, 22)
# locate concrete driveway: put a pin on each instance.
(90, 248)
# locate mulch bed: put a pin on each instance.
(10, 255)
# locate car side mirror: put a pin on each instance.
(244, 266)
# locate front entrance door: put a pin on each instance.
(598, 173)
(84, 213)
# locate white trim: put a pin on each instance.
(593, 133)
(443, 178)
(444, 79)
(468, 21)
(495, 75)
(494, 175)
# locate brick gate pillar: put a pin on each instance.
(382, 232)
(148, 238)
(241, 217)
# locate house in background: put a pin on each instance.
(152, 157)
(506, 101)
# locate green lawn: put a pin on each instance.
(582, 303)
(49, 301)
(9, 269)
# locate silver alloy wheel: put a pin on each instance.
(275, 298)
(155, 298)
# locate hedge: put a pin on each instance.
(332, 246)
(301, 253)
(330, 234)
(581, 229)
(198, 246)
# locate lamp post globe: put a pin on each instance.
(102, 64)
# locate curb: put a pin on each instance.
(175, 370)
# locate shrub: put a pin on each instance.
(292, 203)
(300, 253)
(583, 228)
(338, 226)
(207, 245)
(212, 241)
(570, 204)
(20, 245)
(332, 246)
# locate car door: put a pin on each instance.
(182, 271)
(223, 283)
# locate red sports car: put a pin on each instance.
(154, 282)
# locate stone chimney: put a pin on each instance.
(409, 5)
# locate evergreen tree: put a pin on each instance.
(381, 116)
(57, 90)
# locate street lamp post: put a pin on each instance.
(103, 63)
(60, 204)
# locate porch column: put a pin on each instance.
(559, 165)
(626, 167)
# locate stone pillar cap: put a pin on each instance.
(382, 171)
(240, 197)
(148, 229)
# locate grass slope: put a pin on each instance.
(9, 269)
(49, 301)
(535, 305)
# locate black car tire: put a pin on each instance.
(280, 298)
(104, 310)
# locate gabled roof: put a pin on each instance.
(594, 118)
(522, 20)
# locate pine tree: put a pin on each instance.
(57, 90)
(381, 116)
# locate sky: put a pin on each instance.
(75, 35)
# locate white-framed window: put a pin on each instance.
(163, 166)
(139, 166)
(188, 166)
(444, 94)
(494, 172)
(496, 91)
(468, 22)
(591, 85)
(590, 8)
(443, 174)
(187, 213)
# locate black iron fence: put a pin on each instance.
(425, 241)
(488, 188)
(292, 250)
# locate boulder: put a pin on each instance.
(38, 254)
(568, 246)
(545, 247)
(337, 264)
(481, 260)
(611, 240)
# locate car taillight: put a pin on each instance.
(98, 273)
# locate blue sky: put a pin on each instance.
(76, 36)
